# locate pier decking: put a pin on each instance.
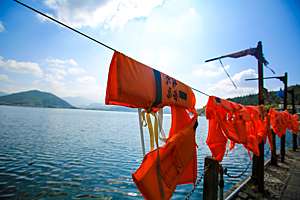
(281, 182)
(292, 190)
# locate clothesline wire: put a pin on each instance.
(200, 91)
(81, 33)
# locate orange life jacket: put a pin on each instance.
(294, 125)
(240, 124)
(169, 165)
(279, 121)
(136, 85)
(133, 84)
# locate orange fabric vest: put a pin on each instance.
(279, 121)
(133, 84)
(294, 125)
(172, 164)
(136, 85)
(245, 125)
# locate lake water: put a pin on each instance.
(81, 154)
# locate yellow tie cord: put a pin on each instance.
(153, 131)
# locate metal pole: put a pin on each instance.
(258, 161)
(282, 141)
(141, 130)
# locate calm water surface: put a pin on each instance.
(80, 154)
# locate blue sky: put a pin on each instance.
(172, 36)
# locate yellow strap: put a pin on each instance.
(144, 122)
(150, 127)
(153, 131)
(155, 128)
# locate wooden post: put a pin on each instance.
(210, 184)
(295, 146)
(282, 141)
(258, 161)
(273, 150)
(221, 183)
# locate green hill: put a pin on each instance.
(34, 98)
(270, 97)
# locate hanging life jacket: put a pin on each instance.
(133, 84)
(136, 85)
(294, 125)
(279, 121)
(283, 120)
(240, 124)
(167, 166)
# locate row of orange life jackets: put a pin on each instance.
(281, 121)
(246, 125)
(133, 84)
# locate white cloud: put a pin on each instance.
(158, 49)
(225, 89)
(108, 13)
(76, 70)
(179, 25)
(59, 68)
(4, 77)
(56, 74)
(209, 70)
(85, 86)
(65, 77)
(61, 63)
(160, 59)
(2, 28)
(21, 67)
(86, 80)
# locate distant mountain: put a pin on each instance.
(79, 102)
(34, 98)
(3, 94)
(270, 98)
